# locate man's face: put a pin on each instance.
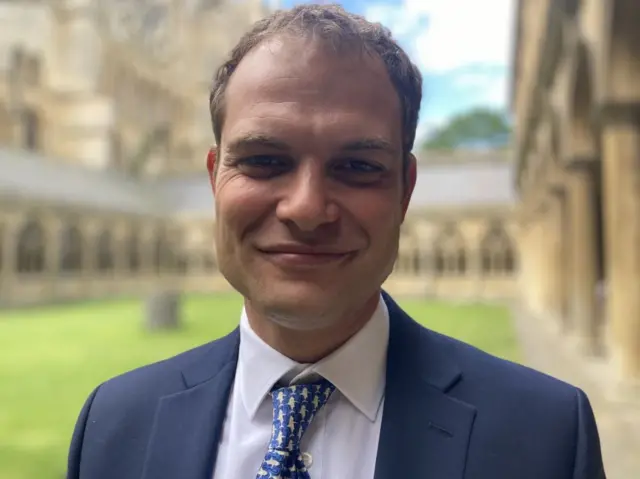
(309, 188)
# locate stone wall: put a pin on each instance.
(577, 151)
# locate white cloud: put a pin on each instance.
(464, 42)
(488, 88)
(394, 18)
(495, 94)
(463, 32)
(459, 32)
(427, 127)
(472, 80)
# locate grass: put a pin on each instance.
(51, 358)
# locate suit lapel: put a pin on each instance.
(188, 424)
(425, 432)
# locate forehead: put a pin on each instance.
(299, 84)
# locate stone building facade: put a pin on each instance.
(119, 84)
(69, 232)
(576, 103)
(100, 103)
(103, 189)
(460, 240)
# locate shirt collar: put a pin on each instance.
(357, 369)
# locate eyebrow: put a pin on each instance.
(266, 141)
(370, 144)
(253, 140)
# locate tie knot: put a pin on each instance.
(294, 407)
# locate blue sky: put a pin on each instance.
(463, 48)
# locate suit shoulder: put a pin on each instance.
(479, 366)
(164, 376)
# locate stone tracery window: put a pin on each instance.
(6, 126)
(209, 262)
(416, 262)
(161, 252)
(105, 251)
(449, 252)
(497, 252)
(182, 263)
(31, 248)
(31, 130)
(3, 241)
(133, 251)
(116, 150)
(71, 249)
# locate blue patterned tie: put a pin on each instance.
(294, 408)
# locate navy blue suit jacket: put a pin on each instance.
(451, 411)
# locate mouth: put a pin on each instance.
(298, 256)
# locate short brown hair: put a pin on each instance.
(332, 24)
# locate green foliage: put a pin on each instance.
(480, 125)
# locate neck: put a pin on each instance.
(311, 346)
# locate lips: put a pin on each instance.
(300, 255)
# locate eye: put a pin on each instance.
(358, 171)
(263, 166)
(360, 166)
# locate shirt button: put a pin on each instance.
(307, 459)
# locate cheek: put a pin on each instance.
(381, 219)
(239, 203)
(377, 214)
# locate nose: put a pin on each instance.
(307, 202)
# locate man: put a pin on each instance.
(314, 116)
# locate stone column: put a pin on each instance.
(52, 228)
(9, 258)
(565, 260)
(537, 266)
(428, 265)
(90, 234)
(555, 257)
(544, 249)
(621, 171)
(524, 276)
(582, 209)
(120, 250)
(147, 253)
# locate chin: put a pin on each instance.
(301, 306)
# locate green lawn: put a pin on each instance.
(51, 358)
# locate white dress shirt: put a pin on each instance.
(342, 440)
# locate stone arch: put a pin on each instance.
(105, 251)
(553, 133)
(31, 248)
(71, 249)
(209, 262)
(619, 66)
(416, 261)
(31, 129)
(581, 133)
(116, 150)
(6, 126)
(556, 134)
(133, 247)
(497, 252)
(450, 252)
(3, 241)
(161, 252)
(178, 254)
(405, 262)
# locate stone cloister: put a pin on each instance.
(53, 253)
(576, 102)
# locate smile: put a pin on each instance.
(293, 258)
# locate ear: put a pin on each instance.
(409, 183)
(212, 157)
